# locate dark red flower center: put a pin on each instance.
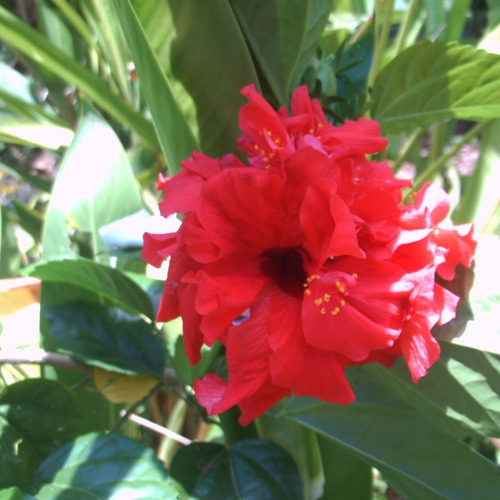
(285, 267)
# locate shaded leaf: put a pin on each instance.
(430, 82)
(253, 469)
(36, 417)
(103, 467)
(283, 35)
(413, 456)
(99, 280)
(107, 338)
(203, 29)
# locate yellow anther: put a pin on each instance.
(322, 311)
(308, 292)
(311, 131)
(320, 126)
(256, 147)
(269, 133)
(335, 311)
(277, 142)
(342, 302)
(355, 276)
(265, 159)
(326, 297)
(319, 301)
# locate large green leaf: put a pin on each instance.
(458, 395)
(253, 469)
(416, 459)
(103, 467)
(36, 417)
(36, 47)
(100, 280)
(430, 82)
(94, 186)
(283, 35)
(176, 138)
(107, 338)
(200, 30)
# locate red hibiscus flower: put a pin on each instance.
(304, 261)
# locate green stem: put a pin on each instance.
(383, 18)
(435, 166)
(405, 26)
(233, 431)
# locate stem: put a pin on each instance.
(40, 357)
(435, 166)
(405, 26)
(233, 431)
(382, 30)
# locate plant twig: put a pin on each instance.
(156, 428)
(35, 356)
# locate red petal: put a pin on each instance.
(295, 365)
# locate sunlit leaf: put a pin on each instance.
(94, 186)
(35, 46)
(103, 466)
(174, 134)
(429, 82)
(98, 279)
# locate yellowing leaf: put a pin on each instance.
(120, 388)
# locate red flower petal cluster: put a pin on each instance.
(303, 261)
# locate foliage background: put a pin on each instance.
(96, 98)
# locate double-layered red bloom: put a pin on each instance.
(304, 261)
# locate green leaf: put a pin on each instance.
(107, 338)
(416, 459)
(30, 132)
(175, 136)
(98, 279)
(200, 30)
(346, 476)
(94, 186)
(14, 493)
(36, 417)
(36, 47)
(458, 395)
(252, 469)
(283, 35)
(431, 82)
(103, 467)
